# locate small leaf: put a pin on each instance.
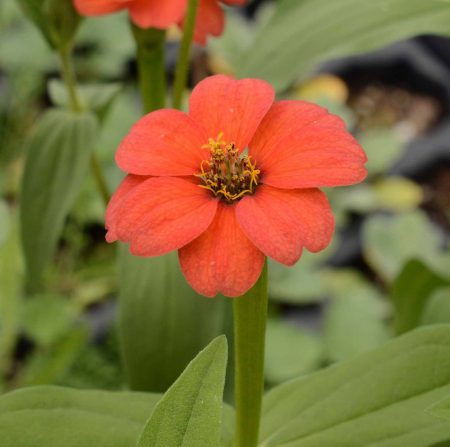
(190, 413)
(377, 398)
(410, 292)
(58, 158)
(53, 417)
(34, 10)
(303, 33)
(290, 351)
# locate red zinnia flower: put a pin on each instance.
(191, 186)
(163, 13)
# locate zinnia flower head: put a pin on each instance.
(163, 13)
(234, 180)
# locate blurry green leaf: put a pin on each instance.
(53, 417)
(11, 288)
(437, 307)
(190, 412)
(163, 323)
(303, 33)
(95, 97)
(34, 10)
(396, 194)
(5, 222)
(290, 351)
(47, 366)
(382, 147)
(58, 159)
(304, 282)
(46, 318)
(354, 317)
(390, 241)
(410, 292)
(377, 398)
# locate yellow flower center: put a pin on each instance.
(227, 174)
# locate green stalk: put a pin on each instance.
(182, 69)
(250, 315)
(68, 75)
(151, 66)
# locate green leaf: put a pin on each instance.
(410, 292)
(377, 398)
(53, 417)
(390, 241)
(290, 351)
(5, 222)
(163, 323)
(190, 412)
(303, 33)
(437, 308)
(95, 97)
(441, 409)
(354, 317)
(58, 159)
(34, 10)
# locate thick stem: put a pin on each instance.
(151, 66)
(182, 69)
(68, 74)
(250, 315)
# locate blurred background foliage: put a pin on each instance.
(387, 271)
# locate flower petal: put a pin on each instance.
(210, 21)
(301, 145)
(99, 7)
(163, 214)
(222, 259)
(222, 104)
(165, 142)
(281, 222)
(157, 13)
(127, 184)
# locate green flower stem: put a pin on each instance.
(250, 315)
(68, 74)
(151, 66)
(182, 69)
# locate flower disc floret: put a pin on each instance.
(227, 174)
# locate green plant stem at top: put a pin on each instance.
(68, 75)
(150, 49)
(250, 315)
(181, 73)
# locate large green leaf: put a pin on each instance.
(58, 158)
(378, 398)
(410, 293)
(303, 33)
(437, 308)
(49, 416)
(190, 413)
(163, 323)
(441, 409)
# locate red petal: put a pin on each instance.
(281, 222)
(301, 145)
(99, 7)
(163, 214)
(222, 259)
(210, 21)
(222, 104)
(165, 142)
(157, 13)
(127, 184)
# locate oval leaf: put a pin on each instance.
(58, 158)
